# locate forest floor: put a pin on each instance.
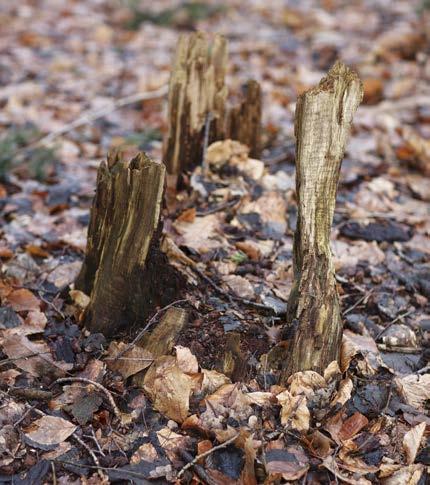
(70, 413)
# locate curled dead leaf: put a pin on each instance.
(294, 410)
(412, 442)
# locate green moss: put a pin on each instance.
(15, 158)
(184, 15)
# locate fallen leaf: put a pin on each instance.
(23, 300)
(412, 442)
(306, 383)
(202, 235)
(294, 410)
(290, 462)
(49, 430)
(169, 388)
(132, 362)
(414, 388)
(343, 393)
(186, 361)
(353, 425)
(80, 298)
(213, 380)
(33, 357)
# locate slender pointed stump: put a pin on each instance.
(124, 271)
(244, 120)
(196, 91)
(323, 119)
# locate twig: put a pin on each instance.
(399, 317)
(115, 408)
(400, 350)
(205, 454)
(94, 114)
(364, 298)
(200, 471)
(145, 328)
(23, 357)
(92, 454)
(54, 476)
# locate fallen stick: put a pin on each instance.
(205, 454)
(94, 114)
(115, 408)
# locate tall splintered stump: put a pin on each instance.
(323, 119)
(124, 272)
(197, 97)
(244, 120)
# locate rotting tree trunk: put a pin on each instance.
(244, 120)
(197, 96)
(323, 119)
(124, 271)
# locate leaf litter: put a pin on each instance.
(361, 422)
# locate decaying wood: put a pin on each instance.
(244, 120)
(163, 338)
(196, 90)
(323, 119)
(124, 272)
(234, 364)
(197, 105)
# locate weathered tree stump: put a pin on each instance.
(244, 120)
(197, 106)
(124, 271)
(196, 91)
(323, 119)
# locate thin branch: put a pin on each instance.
(92, 454)
(94, 114)
(205, 454)
(115, 408)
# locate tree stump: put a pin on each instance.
(124, 271)
(197, 97)
(323, 119)
(244, 120)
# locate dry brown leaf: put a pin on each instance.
(353, 344)
(203, 234)
(261, 398)
(319, 444)
(213, 380)
(353, 425)
(306, 382)
(132, 362)
(420, 148)
(188, 215)
(36, 357)
(331, 465)
(49, 430)
(291, 462)
(294, 410)
(412, 442)
(169, 388)
(240, 286)
(221, 152)
(348, 254)
(344, 392)
(227, 401)
(407, 475)
(80, 298)
(23, 300)
(186, 361)
(415, 389)
(331, 371)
